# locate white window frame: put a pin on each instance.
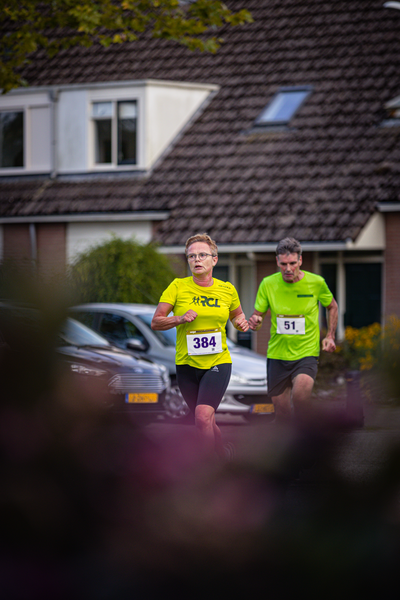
(21, 101)
(114, 117)
(114, 96)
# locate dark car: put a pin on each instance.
(89, 364)
(128, 383)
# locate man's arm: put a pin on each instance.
(256, 320)
(328, 343)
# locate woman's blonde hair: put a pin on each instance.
(202, 237)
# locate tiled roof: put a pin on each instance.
(319, 181)
(36, 197)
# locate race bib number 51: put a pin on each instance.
(291, 324)
(204, 341)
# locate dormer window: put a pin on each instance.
(282, 106)
(115, 132)
(11, 139)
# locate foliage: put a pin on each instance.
(31, 25)
(120, 271)
(375, 351)
(389, 358)
(360, 346)
(367, 347)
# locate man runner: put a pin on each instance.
(292, 296)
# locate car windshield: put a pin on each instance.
(73, 333)
(167, 338)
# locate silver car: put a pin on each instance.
(128, 326)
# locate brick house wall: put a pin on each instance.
(392, 269)
(50, 245)
(16, 242)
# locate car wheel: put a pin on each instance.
(176, 408)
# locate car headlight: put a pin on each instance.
(84, 370)
(239, 379)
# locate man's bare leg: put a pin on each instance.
(282, 406)
(299, 395)
(302, 387)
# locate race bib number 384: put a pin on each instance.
(204, 341)
(291, 324)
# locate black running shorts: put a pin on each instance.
(280, 373)
(203, 386)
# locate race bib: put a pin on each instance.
(291, 324)
(204, 341)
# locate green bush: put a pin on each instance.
(120, 271)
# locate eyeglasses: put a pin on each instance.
(202, 256)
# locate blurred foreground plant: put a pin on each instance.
(95, 507)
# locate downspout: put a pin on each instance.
(53, 95)
(33, 244)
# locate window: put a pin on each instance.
(114, 132)
(11, 139)
(282, 106)
(118, 330)
(87, 318)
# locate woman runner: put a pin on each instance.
(201, 307)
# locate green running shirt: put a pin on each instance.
(212, 305)
(294, 314)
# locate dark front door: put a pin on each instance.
(363, 294)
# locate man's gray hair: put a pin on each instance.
(288, 246)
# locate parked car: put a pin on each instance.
(120, 381)
(130, 384)
(128, 326)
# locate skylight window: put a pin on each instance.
(392, 113)
(282, 106)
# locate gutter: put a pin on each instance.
(268, 247)
(389, 206)
(89, 218)
(115, 84)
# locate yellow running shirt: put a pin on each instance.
(205, 337)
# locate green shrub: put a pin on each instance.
(120, 271)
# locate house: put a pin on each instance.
(291, 129)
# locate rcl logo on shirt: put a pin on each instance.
(213, 302)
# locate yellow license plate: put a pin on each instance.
(262, 408)
(141, 398)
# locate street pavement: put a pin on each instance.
(359, 452)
